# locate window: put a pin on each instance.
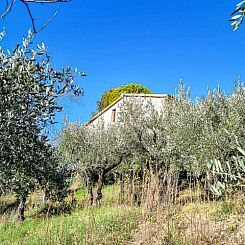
(113, 115)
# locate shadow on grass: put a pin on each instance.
(54, 209)
(8, 206)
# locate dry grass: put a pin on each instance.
(182, 218)
(194, 222)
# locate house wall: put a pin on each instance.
(157, 102)
(106, 117)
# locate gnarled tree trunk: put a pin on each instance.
(100, 184)
(101, 179)
(121, 195)
(21, 208)
(90, 190)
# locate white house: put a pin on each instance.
(110, 114)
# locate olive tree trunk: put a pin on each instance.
(21, 208)
(90, 190)
(100, 184)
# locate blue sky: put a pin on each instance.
(155, 43)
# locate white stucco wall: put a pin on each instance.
(106, 117)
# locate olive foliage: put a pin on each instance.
(95, 151)
(29, 90)
(201, 139)
(238, 15)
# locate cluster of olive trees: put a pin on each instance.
(201, 140)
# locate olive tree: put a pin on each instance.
(95, 150)
(76, 144)
(143, 130)
(29, 90)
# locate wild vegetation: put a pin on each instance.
(169, 175)
(156, 156)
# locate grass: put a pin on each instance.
(88, 226)
(225, 210)
(195, 222)
(189, 221)
(109, 224)
(110, 196)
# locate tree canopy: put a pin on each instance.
(29, 89)
(114, 93)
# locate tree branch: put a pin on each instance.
(30, 14)
(50, 18)
(9, 6)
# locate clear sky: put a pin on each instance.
(155, 43)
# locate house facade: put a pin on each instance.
(110, 114)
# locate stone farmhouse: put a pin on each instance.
(110, 114)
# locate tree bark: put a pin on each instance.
(100, 184)
(91, 199)
(101, 179)
(21, 208)
(90, 191)
(121, 197)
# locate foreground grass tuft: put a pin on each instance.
(88, 226)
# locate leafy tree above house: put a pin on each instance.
(114, 93)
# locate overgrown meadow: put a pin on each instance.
(169, 175)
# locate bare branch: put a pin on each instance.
(47, 1)
(50, 18)
(30, 14)
(9, 6)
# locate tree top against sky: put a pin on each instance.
(113, 94)
(153, 43)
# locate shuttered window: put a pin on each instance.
(113, 115)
